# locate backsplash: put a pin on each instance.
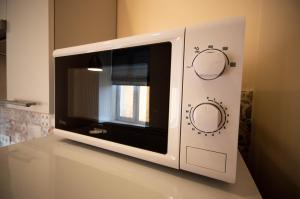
(22, 125)
(245, 123)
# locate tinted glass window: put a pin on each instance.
(119, 95)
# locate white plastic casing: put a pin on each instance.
(176, 37)
(213, 156)
(203, 151)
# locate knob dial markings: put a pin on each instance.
(209, 117)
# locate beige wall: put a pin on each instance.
(80, 22)
(141, 16)
(2, 9)
(272, 69)
(2, 77)
(2, 56)
(276, 147)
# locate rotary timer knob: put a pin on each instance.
(210, 64)
(208, 118)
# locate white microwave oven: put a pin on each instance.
(172, 98)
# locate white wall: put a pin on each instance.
(28, 52)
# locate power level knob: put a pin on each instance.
(210, 64)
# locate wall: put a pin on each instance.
(2, 69)
(28, 52)
(276, 149)
(78, 22)
(2, 77)
(141, 16)
(2, 9)
(22, 125)
(29, 45)
(271, 69)
(2, 54)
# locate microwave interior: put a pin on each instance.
(120, 95)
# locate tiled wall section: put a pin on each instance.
(22, 125)
(245, 123)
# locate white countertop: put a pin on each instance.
(56, 168)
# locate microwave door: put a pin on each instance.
(126, 102)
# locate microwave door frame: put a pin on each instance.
(176, 37)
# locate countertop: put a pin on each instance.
(55, 168)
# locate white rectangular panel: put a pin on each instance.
(206, 159)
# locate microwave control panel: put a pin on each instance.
(211, 98)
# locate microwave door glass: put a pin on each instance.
(119, 95)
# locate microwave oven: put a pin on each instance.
(172, 97)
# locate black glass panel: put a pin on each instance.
(120, 95)
(130, 66)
